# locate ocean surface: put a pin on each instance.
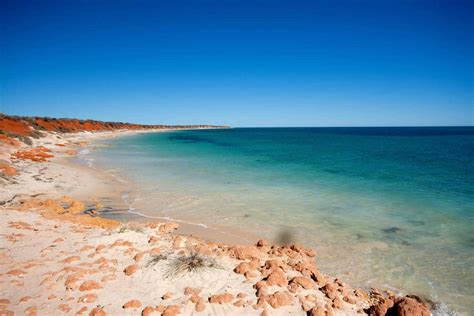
(385, 207)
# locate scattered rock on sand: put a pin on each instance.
(279, 299)
(88, 298)
(89, 286)
(132, 304)
(171, 310)
(131, 269)
(98, 311)
(221, 298)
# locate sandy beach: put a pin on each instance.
(60, 256)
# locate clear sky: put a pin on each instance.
(241, 63)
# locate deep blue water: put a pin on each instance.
(383, 206)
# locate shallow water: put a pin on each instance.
(387, 207)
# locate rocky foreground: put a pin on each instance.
(59, 256)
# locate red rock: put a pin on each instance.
(262, 243)
(337, 303)
(98, 311)
(147, 311)
(412, 306)
(279, 299)
(317, 311)
(90, 285)
(304, 282)
(277, 277)
(99, 248)
(221, 298)
(200, 306)
(244, 252)
(167, 296)
(86, 248)
(131, 269)
(310, 252)
(251, 274)
(25, 298)
(191, 291)
(16, 272)
(155, 251)
(81, 311)
(31, 311)
(71, 259)
(71, 282)
(330, 290)
(4, 302)
(239, 303)
(153, 240)
(109, 277)
(243, 267)
(381, 307)
(121, 243)
(171, 310)
(132, 304)
(138, 256)
(88, 298)
(275, 264)
(64, 308)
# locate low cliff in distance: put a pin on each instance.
(26, 127)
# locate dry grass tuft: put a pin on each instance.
(155, 259)
(193, 263)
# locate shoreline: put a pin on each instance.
(276, 280)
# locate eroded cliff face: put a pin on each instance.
(24, 128)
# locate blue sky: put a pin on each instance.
(241, 63)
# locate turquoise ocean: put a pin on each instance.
(385, 207)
